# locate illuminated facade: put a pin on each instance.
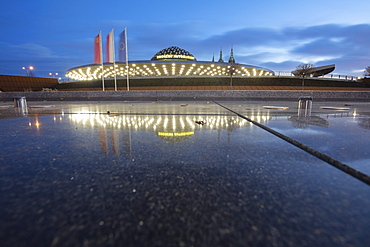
(172, 61)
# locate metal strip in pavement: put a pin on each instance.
(337, 164)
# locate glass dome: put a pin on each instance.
(174, 53)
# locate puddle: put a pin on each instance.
(205, 177)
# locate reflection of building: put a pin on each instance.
(172, 61)
(168, 127)
(164, 125)
(303, 122)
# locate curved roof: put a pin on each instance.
(165, 68)
(173, 53)
(317, 71)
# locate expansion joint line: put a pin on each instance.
(337, 164)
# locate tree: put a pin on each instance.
(303, 70)
(367, 71)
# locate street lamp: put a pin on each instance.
(29, 70)
(231, 73)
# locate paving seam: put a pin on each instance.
(333, 162)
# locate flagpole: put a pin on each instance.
(114, 62)
(102, 61)
(128, 83)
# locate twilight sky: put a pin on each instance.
(54, 36)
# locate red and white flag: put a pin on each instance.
(97, 50)
(110, 48)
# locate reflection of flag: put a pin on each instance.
(97, 49)
(115, 141)
(103, 140)
(123, 47)
(110, 47)
(127, 143)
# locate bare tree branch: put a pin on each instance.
(304, 70)
(367, 71)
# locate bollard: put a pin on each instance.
(21, 104)
(20, 101)
(304, 105)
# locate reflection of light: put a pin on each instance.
(176, 133)
(190, 122)
(159, 121)
(156, 122)
(37, 124)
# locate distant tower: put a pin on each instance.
(213, 58)
(231, 59)
(221, 60)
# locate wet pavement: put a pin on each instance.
(184, 173)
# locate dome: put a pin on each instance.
(174, 53)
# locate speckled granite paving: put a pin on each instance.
(327, 93)
(186, 173)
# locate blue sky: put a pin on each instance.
(54, 36)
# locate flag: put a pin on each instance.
(97, 50)
(110, 48)
(122, 47)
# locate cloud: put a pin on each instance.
(277, 49)
(26, 50)
(345, 46)
(324, 46)
(44, 59)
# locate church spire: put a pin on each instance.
(231, 59)
(213, 58)
(221, 60)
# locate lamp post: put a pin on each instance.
(53, 74)
(231, 73)
(29, 70)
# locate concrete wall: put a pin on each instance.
(10, 83)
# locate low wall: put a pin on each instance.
(176, 81)
(12, 83)
(173, 95)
